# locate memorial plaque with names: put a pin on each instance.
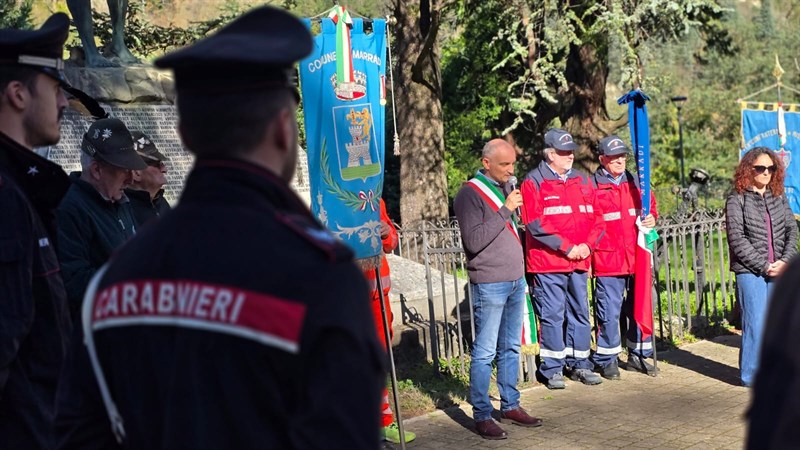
(159, 122)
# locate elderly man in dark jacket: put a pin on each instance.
(146, 192)
(95, 216)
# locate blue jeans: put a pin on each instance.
(753, 291)
(498, 311)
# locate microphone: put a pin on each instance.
(512, 180)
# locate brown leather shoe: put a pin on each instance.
(520, 417)
(488, 429)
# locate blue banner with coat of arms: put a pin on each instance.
(777, 129)
(344, 124)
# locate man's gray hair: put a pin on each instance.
(491, 146)
(86, 161)
(547, 151)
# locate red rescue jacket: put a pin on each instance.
(558, 215)
(619, 206)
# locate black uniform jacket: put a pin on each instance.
(34, 321)
(90, 229)
(145, 208)
(235, 321)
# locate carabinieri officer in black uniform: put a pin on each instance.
(34, 320)
(236, 321)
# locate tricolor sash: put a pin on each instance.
(495, 198)
(530, 335)
(490, 193)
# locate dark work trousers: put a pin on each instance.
(609, 294)
(562, 306)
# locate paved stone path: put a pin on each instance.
(696, 403)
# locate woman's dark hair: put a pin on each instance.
(743, 177)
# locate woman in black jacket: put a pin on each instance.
(762, 238)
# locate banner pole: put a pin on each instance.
(388, 339)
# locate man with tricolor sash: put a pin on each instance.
(613, 261)
(563, 229)
(485, 208)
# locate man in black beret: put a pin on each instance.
(147, 186)
(34, 321)
(95, 217)
(236, 320)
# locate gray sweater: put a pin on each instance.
(493, 253)
(747, 230)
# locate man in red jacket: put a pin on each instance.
(619, 201)
(562, 230)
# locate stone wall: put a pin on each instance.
(142, 97)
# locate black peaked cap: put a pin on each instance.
(42, 48)
(258, 49)
(109, 140)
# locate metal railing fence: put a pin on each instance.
(693, 286)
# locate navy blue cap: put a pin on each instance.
(109, 140)
(257, 50)
(560, 140)
(612, 146)
(42, 49)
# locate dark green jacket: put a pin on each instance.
(145, 208)
(90, 228)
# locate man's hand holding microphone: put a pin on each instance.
(514, 198)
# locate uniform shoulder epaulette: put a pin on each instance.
(315, 235)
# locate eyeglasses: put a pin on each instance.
(760, 169)
(154, 163)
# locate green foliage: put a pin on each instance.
(765, 23)
(147, 40)
(514, 78)
(15, 14)
(358, 8)
(713, 83)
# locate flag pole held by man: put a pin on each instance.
(645, 245)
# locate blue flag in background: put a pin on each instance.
(640, 141)
(344, 125)
(760, 129)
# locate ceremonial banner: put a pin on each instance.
(344, 123)
(776, 127)
(643, 268)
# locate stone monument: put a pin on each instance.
(143, 98)
(81, 11)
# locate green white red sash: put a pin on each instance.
(530, 335)
(344, 51)
(495, 199)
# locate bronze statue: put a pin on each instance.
(82, 15)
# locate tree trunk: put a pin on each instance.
(583, 110)
(423, 183)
